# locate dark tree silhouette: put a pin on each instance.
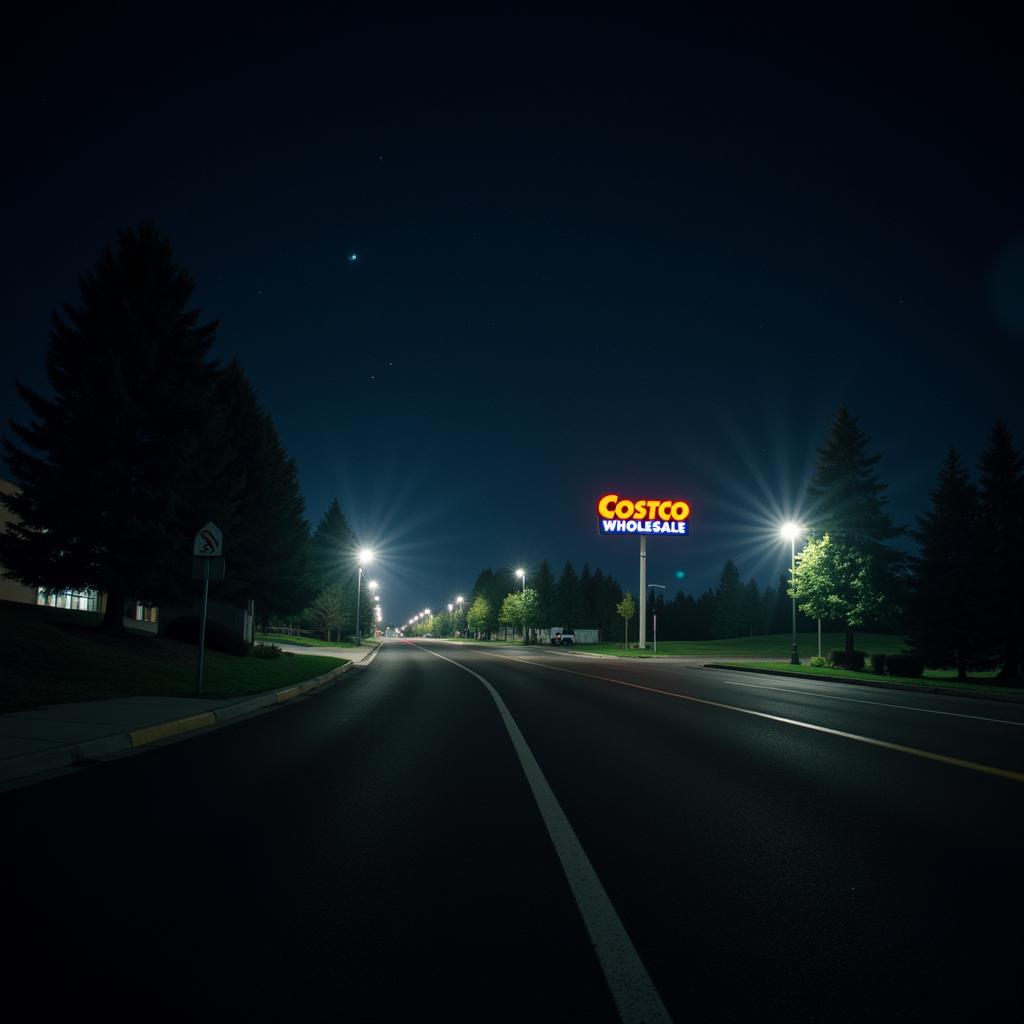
(127, 458)
(1002, 533)
(847, 501)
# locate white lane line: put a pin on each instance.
(873, 703)
(634, 993)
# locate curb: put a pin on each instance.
(25, 765)
(878, 684)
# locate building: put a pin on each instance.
(136, 615)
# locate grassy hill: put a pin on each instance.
(53, 656)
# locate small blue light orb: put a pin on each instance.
(353, 256)
(680, 574)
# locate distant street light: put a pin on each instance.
(365, 558)
(459, 602)
(521, 573)
(790, 531)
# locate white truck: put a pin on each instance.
(560, 639)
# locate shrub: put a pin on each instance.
(910, 665)
(266, 651)
(854, 660)
(817, 662)
(878, 664)
(218, 637)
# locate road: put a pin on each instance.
(543, 837)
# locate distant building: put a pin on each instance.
(139, 616)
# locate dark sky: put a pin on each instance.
(630, 254)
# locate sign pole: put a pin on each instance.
(202, 623)
(643, 593)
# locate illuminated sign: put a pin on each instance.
(642, 515)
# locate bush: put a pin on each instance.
(910, 665)
(218, 638)
(878, 664)
(840, 659)
(266, 651)
(817, 662)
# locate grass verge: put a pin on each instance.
(302, 641)
(48, 658)
(981, 684)
(777, 645)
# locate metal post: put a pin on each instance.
(202, 623)
(643, 593)
(359, 589)
(794, 658)
(655, 634)
(819, 636)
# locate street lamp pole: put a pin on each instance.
(365, 557)
(522, 574)
(791, 531)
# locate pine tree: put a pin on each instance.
(729, 596)
(847, 501)
(568, 600)
(944, 592)
(130, 453)
(333, 549)
(544, 584)
(270, 545)
(1002, 532)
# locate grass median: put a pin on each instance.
(50, 656)
(776, 645)
(980, 684)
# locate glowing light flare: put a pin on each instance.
(790, 531)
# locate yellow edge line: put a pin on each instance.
(152, 733)
(958, 762)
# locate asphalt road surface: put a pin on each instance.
(543, 837)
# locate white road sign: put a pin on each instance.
(209, 542)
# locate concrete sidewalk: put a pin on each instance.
(56, 736)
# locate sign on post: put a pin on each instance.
(207, 548)
(209, 542)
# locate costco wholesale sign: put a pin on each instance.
(642, 515)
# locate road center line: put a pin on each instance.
(928, 755)
(635, 996)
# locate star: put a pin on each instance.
(353, 256)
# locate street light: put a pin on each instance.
(521, 573)
(365, 558)
(790, 531)
(459, 602)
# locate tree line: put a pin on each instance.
(957, 599)
(144, 439)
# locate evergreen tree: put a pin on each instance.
(544, 584)
(847, 503)
(1002, 531)
(944, 594)
(568, 599)
(585, 612)
(131, 456)
(270, 544)
(333, 549)
(729, 601)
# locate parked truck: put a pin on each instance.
(560, 639)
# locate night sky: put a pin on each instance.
(634, 255)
